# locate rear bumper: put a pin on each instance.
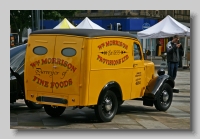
(52, 98)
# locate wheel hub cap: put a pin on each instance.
(108, 105)
(165, 96)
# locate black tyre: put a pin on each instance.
(54, 111)
(107, 106)
(164, 99)
(32, 105)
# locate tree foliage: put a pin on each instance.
(20, 19)
(58, 14)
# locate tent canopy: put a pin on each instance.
(168, 27)
(88, 24)
(64, 24)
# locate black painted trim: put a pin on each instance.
(157, 82)
(112, 84)
(51, 99)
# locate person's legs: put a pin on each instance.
(175, 70)
(171, 69)
(180, 63)
(168, 65)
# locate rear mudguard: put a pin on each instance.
(115, 87)
(155, 84)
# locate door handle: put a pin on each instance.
(134, 65)
(54, 67)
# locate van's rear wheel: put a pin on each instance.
(164, 99)
(107, 106)
(54, 111)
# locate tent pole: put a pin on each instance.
(185, 50)
(151, 49)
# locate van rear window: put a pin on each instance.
(40, 50)
(68, 52)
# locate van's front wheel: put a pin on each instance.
(107, 106)
(54, 111)
(165, 96)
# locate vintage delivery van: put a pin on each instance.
(91, 68)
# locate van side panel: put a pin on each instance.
(111, 60)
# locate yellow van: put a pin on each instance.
(91, 68)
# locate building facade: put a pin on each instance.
(179, 15)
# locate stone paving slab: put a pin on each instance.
(131, 126)
(76, 126)
(152, 124)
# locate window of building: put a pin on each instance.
(170, 12)
(135, 11)
(179, 12)
(162, 12)
(156, 12)
(118, 11)
(94, 11)
(106, 11)
(186, 12)
(150, 12)
(84, 11)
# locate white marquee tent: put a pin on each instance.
(167, 27)
(88, 24)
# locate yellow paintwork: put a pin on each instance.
(80, 78)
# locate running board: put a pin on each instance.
(176, 90)
(137, 99)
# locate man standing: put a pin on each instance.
(173, 56)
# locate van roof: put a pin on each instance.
(84, 32)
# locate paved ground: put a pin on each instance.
(131, 115)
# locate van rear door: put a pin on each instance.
(39, 65)
(67, 53)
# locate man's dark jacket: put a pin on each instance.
(173, 52)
